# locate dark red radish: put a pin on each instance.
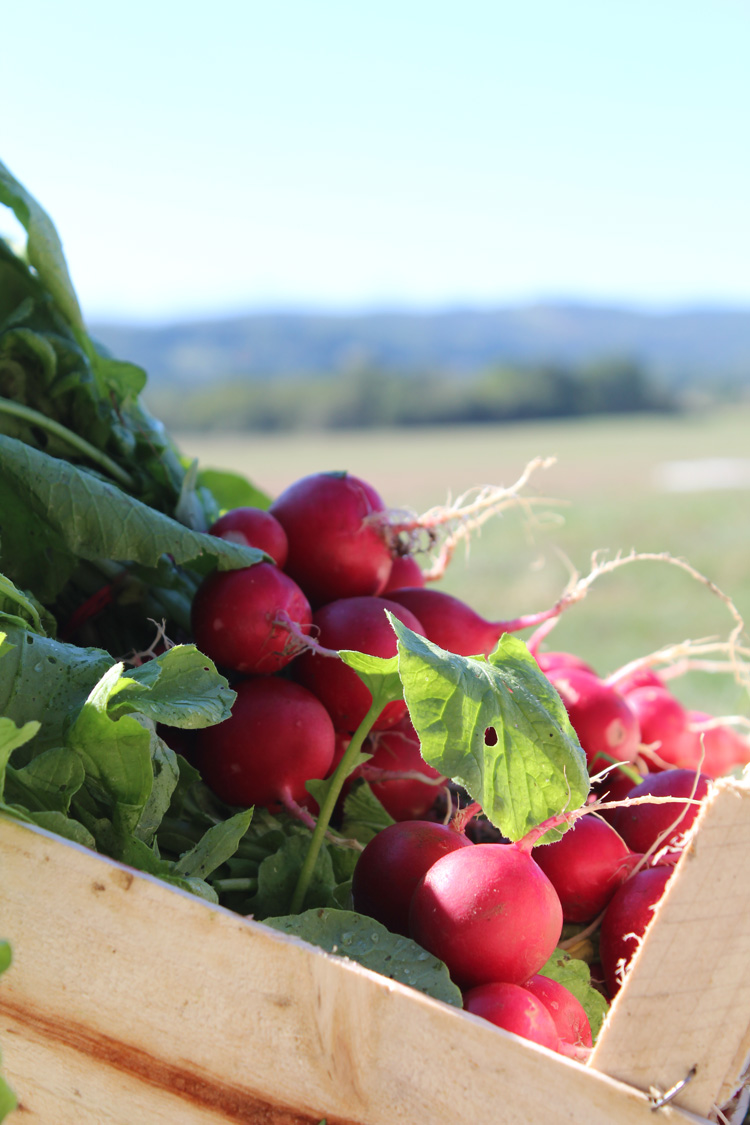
(450, 622)
(489, 912)
(665, 728)
(392, 864)
(586, 866)
(360, 624)
(514, 1009)
(278, 737)
(722, 748)
(567, 1011)
(253, 527)
(335, 525)
(606, 725)
(405, 571)
(253, 620)
(398, 750)
(625, 922)
(641, 826)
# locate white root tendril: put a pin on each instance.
(161, 640)
(442, 528)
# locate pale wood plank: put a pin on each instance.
(123, 988)
(686, 998)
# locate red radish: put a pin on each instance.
(398, 750)
(606, 725)
(642, 825)
(566, 1010)
(392, 864)
(489, 912)
(251, 620)
(360, 624)
(721, 747)
(586, 866)
(514, 1009)
(449, 622)
(278, 737)
(253, 527)
(665, 728)
(549, 660)
(335, 524)
(641, 677)
(626, 919)
(405, 571)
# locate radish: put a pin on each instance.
(626, 919)
(397, 750)
(568, 1013)
(514, 1009)
(393, 863)
(586, 866)
(253, 527)
(665, 728)
(405, 571)
(489, 912)
(549, 660)
(722, 749)
(641, 826)
(360, 624)
(450, 622)
(278, 737)
(251, 620)
(336, 525)
(606, 725)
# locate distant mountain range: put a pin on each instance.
(680, 347)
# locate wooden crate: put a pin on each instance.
(131, 1002)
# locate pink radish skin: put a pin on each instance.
(392, 864)
(360, 624)
(665, 727)
(549, 660)
(642, 825)
(253, 620)
(586, 866)
(278, 737)
(449, 622)
(405, 571)
(721, 747)
(568, 1013)
(606, 725)
(253, 527)
(488, 912)
(514, 1009)
(626, 919)
(336, 548)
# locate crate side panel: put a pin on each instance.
(103, 953)
(686, 998)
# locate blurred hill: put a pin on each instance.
(678, 349)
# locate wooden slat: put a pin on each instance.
(131, 1001)
(686, 998)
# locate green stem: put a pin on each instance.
(335, 786)
(27, 414)
(225, 885)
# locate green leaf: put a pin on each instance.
(48, 782)
(575, 975)
(231, 490)
(217, 845)
(369, 943)
(379, 674)
(44, 249)
(18, 608)
(278, 875)
(364, 816)
(5, 955)
(180, 688)
(64, 826)
(11, 736)
(70, 514)
(497, 727)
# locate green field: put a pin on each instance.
(604, 492)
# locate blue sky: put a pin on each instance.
(205, 160)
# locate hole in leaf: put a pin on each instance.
(490, 737)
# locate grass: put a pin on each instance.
(602, 493)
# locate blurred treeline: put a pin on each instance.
(377, 398)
